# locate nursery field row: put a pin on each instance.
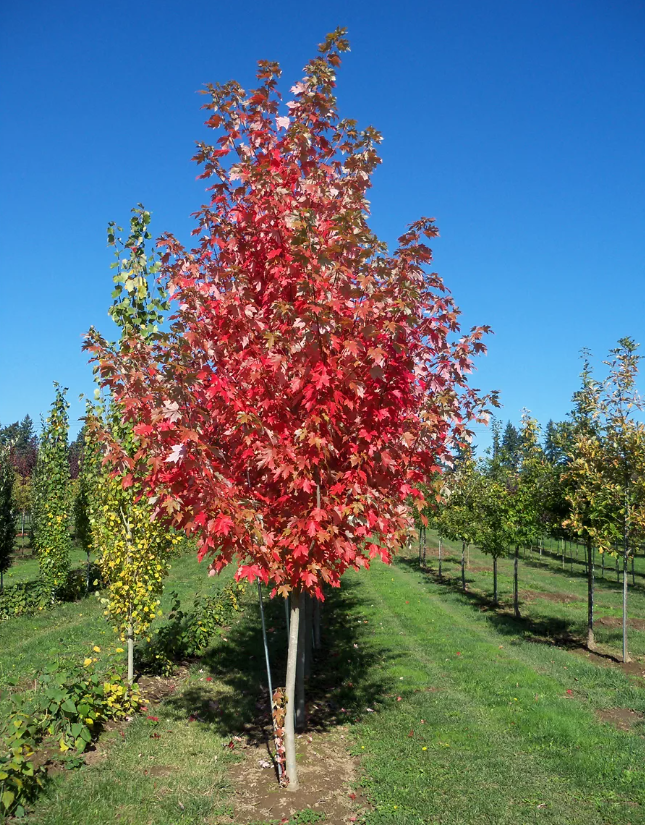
(453, 712)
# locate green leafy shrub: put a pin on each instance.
(33, 596)
(188, 634)
(66, 710)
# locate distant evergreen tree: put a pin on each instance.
(7, 513)
(511, 443)
(556, 442)
(25, 451)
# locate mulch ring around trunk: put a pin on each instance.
(326, 773)
(621, 718)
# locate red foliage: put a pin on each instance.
(302, 355)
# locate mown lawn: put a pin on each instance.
(28, 644)
(553, 598)
(458, 713)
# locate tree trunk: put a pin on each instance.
(130, 654)
(269, 682)
(290, 694)
(425, 547)
(495, 596)
(463, 565)
(626, 657)
(300, 667)
(591, 641)
(516, 594)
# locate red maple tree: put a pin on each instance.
(310, 380)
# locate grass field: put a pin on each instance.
(474, 717)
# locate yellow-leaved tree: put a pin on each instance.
(132, 545)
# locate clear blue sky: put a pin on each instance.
(518, 125)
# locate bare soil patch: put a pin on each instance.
(621, 718)
(326, 771)
(157, 688)
(616, 621)
(561, 598)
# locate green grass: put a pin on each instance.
(505, 742)
(474, 719)
(29, 643)
(25, 568)
(564, 621)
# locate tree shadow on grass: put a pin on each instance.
(559, 631)
(347, 673)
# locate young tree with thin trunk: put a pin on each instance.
(582, 481)
(132, 546)
(492, 516)
(622, 464)
(458, 515)
(302, 357)
(7, 513)
(51, 509)
(526, 486)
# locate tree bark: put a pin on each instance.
(626, 657)
(591, 641)
(440, 549)
(130, 638)
(425, 547)
(290, 694)
(463, 565)
(495, 596)
(516, 594)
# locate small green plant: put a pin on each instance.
(34, 596)
(188, 633)
(306, 816)
(67, 709)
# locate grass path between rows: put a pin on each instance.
(458, 719)
(502, 739)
